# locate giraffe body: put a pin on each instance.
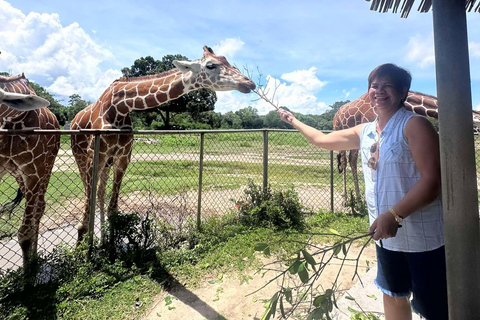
(28, 158)
(112, 111)
(360, 111)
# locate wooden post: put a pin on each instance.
(457, 155)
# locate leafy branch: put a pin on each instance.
(263, 90)
(308, 268)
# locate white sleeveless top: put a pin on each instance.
(396, 173)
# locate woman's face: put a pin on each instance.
(384, 95)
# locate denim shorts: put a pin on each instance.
(421, 273)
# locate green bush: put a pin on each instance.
(280, 209)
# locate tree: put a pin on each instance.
(142, 67)
(76, 104)
(250, 118)
(231, 121)
(194, 103)
(59, 110)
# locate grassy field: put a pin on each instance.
(169, 165)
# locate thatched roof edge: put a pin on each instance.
(425, 5)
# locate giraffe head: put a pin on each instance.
(215, 73)
(22, 102)
(16, 93)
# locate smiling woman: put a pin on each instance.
(401, 167)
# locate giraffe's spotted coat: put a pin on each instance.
(112, 111)
(28, 158)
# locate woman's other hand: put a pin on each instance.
(385, 226)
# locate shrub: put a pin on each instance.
(280, 209)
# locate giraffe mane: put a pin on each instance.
(12, 78)
(422, 94)
(151, 76)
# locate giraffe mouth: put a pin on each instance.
(246, 87)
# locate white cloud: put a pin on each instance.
(420, 50)
(38, 45)
(305, 78)
(228, 47)
(298, 96)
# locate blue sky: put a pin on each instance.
(319, 52)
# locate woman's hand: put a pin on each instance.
(285, 116)
(384, 226)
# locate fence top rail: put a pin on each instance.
(128, 131)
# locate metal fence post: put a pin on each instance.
(200, 179)
(331, 180)
(265, 160)
(93, 191)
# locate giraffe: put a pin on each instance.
(112, 111)
(361, 111)
(28, 158)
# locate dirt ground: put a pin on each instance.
(232, 299)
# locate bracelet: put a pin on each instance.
(396, 216)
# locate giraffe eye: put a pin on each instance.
(210, 66)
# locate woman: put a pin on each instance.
(401, 166)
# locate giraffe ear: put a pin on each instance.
(186, 66)
(22, 102)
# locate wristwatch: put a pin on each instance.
(396, 216)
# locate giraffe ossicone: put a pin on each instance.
(127, 94)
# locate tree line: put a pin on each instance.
(194, 110)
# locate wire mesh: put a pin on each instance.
(162, 182)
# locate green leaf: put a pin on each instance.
(317, 302)
(349, 297)
(372, 296)
(337, 248)
(288, 295)
(316, 314)
(261, 246)
(267, 314)
(308, 257)
(344, 249)
(334, 231)
(352, 310)
(274, 304)
(294, 267)
(303, 273)
(282, 310)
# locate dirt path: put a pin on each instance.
(230, 299)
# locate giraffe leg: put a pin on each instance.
(34, 192)
(342, 167)
(102, 186)
(353, 157)
(120, 167)
(83, 226)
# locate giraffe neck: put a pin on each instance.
(151, 91)
(422, 104)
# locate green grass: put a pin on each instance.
(122, 292)
(127, 300)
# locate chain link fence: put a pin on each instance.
(180, 175)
